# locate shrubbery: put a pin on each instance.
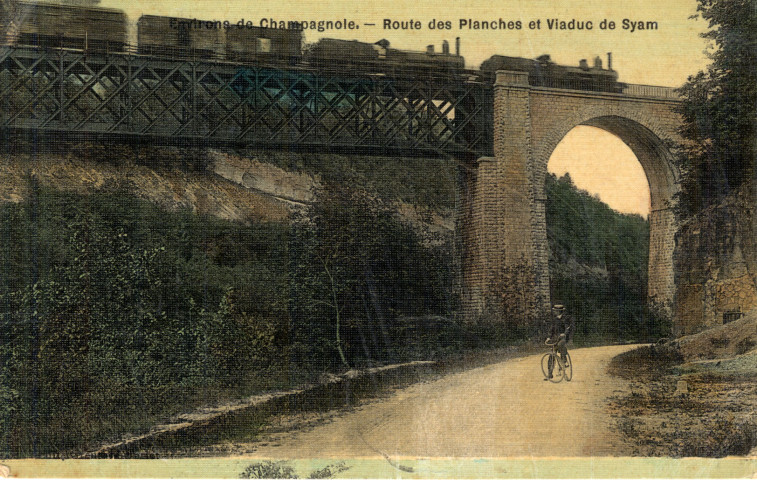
(356, 270)
(115, 313)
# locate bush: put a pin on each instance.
(268, 469)
(110, 306)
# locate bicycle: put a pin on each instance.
(559, 370)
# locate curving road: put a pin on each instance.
(501, 410)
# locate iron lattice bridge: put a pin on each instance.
(205, 102)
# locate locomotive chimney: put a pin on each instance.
(457, 46)
(445, 47)
(609, 60)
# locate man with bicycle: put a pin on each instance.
(560, 332)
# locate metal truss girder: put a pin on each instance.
(215, 101)
(96, 77)
(37, 97)
(20, 76)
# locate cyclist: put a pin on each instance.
(560, 332)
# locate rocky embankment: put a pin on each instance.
(716, 264)
(696, 396)
(170, 188)
(228, 186)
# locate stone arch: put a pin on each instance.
(647, 142)
(502, 214)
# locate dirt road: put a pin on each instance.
(505, 409)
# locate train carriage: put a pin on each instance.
(67, 26)
(263, 45)
(381, 58)
(172, 36)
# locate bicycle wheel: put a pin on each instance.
(544, 365)
(569, 368)
(557, 368)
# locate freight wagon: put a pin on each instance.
(66, 26)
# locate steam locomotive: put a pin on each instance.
(543, 72)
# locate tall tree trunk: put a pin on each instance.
(338, 318)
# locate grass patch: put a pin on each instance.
(711, 417)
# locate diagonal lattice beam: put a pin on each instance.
(219, 101)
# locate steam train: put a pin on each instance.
(105, 29)
(50, 25)
(543, 72)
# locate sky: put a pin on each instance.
(609, 169)
(665, 55)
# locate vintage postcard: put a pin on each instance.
(456, 239)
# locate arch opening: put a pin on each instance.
(602, 164)
(610, 268)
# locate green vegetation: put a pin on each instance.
(598, 266)
(720, 108)
(359, 275)
(116, 314)
(269, 469)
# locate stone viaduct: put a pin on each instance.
(502, 200)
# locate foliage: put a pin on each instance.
(356, 269)
(269, 469)
(514, 313)
(598, 266)
(329, 470)
(720, 108)
(115, 313)
(111, 310)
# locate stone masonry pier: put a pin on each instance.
(502, 213)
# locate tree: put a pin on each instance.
(720, 107)
(341, 241)
(355, 270)
(566, 179)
